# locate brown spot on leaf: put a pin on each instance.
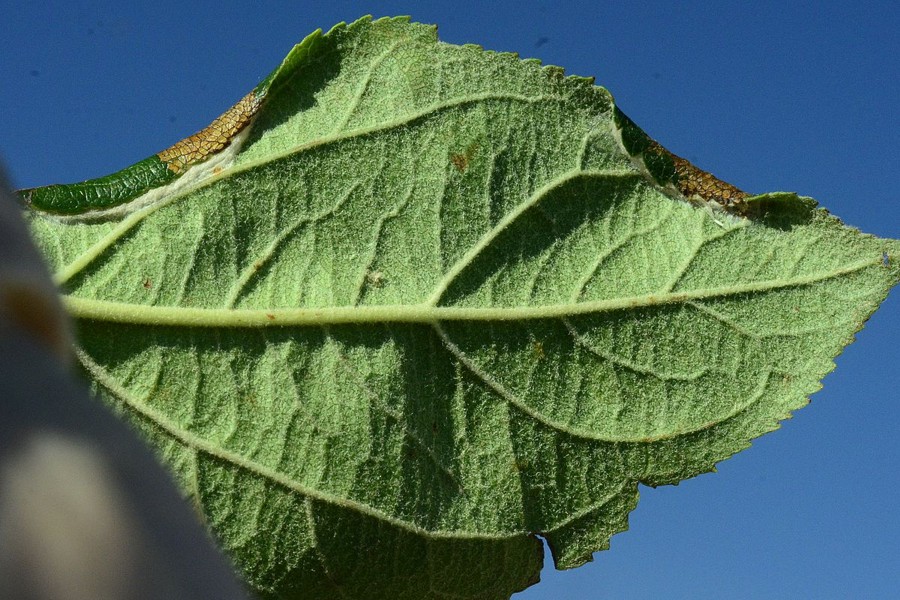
(459, 161)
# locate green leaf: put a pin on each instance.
(433, 309)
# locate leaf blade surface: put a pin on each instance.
(434, 308)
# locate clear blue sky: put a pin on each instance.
(767, 95)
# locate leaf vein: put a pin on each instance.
(255, 266)
(204, 446)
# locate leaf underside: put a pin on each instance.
(433, 310)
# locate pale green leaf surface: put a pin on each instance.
(433, 310)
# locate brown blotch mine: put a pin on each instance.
(695, 182)
(213, 137)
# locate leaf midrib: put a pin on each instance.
(137, 314)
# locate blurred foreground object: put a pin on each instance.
(85, 510)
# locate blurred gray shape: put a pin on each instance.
(86, 511)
